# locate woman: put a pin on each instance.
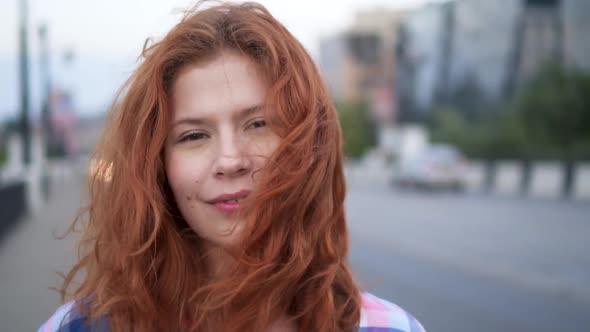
(217, 202)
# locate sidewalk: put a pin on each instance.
(31, 256)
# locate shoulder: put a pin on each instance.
(60, 319)
(379, 315)
(67, 318)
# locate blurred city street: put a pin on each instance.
(473, 262)
(458, 262)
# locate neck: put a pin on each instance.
(218, 260)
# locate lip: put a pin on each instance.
(230, 196)
(221, 202)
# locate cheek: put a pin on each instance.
(183, 175)
(265, 145)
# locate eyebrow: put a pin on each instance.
(243, 113)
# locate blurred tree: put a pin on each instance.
(3, 155)
(549, 118)
(449, 125)
(357, 128)
(555, 111)
(3, 149)
(475, 139)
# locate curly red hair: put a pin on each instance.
(142, 268)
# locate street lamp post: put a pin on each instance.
(46, 89)
(46, 124)
(25, 125)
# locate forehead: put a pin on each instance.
(226, 83)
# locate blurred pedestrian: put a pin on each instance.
(217, 200)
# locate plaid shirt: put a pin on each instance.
(377, 315)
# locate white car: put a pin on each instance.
(438, 166)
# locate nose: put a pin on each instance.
(232, 161)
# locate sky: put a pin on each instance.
(106, 37)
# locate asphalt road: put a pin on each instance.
(474, 263)
(458, 263)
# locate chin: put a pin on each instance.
(227, 237)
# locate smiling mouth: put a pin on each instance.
(230, 202)
(230, 197)
(228, 206)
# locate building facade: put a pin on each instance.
(360, 63)
(490, 48)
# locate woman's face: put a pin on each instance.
(217, 141)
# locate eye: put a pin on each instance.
(194, 136)
(257, 124)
